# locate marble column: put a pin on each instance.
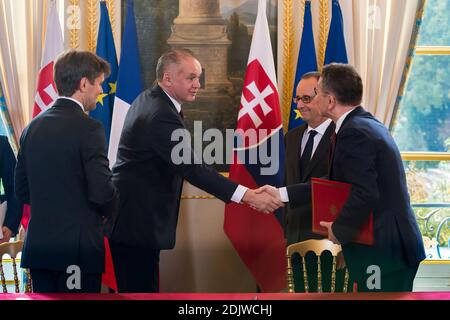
(200, 28)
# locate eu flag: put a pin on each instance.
(306, 63)
(129, 80)
(106, 50)
(336, 51)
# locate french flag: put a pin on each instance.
(129, 86)
(258, 238)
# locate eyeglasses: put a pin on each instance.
(305, 98)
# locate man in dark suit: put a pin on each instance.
(365, 155)
(307, 157)
(14, 208)
(149, 174)
(63, 173)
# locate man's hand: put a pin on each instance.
(262, 201)
(331, 235)
(340, 261)
(274, 192)
(7, 233)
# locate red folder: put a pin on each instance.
(328, 198)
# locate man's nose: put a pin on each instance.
(197, 83)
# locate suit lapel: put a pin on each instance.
(158, 91)
(298, 139)
(354, 113)
(67, 105)
(321, 151)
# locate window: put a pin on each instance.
(422, 129)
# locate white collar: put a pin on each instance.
(341, 120)
(74, 100)
(175, 102)
(320, 128)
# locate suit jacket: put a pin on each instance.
(7, 169)
(63, 173)
(298, 221)
(147, 177)
(367, 157)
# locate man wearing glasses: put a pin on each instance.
(366, 156)
(306, 157)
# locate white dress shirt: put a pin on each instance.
(320, 132)
(74, 100)
(240, 190)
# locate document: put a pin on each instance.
(328, 198)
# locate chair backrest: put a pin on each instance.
(13, 249)
(318, 247)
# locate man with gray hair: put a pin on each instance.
(150, 181)
(307, 157)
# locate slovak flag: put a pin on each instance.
(46, 93)
(257, 237)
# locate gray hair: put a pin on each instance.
(171, 57)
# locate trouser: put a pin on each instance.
(49, 281)
(401, 280)
(378, 271)
(136, 268)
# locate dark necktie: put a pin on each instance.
(306, 155)
(331, 151)
(182, 114)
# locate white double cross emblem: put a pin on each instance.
(249, 107)
(52, 94)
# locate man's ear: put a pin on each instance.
(82, 85)
(332, 101)
(167, 79)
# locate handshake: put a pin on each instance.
(265, 199)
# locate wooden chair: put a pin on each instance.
(318, 247)
(13, 248)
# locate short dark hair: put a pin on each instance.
(311, 74)
(171, 57)
(74, 65)
(343, 81)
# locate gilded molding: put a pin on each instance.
(287, 58)
(425, 156)
(183, 197)
(323, 33)
(112, 17)
(92, 6)
(409, 58)
(435, 262)
(302, 14)
(74, 32)
(433, 50)
(197, 197)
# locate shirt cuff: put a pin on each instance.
(239, 194)
(284, 194)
